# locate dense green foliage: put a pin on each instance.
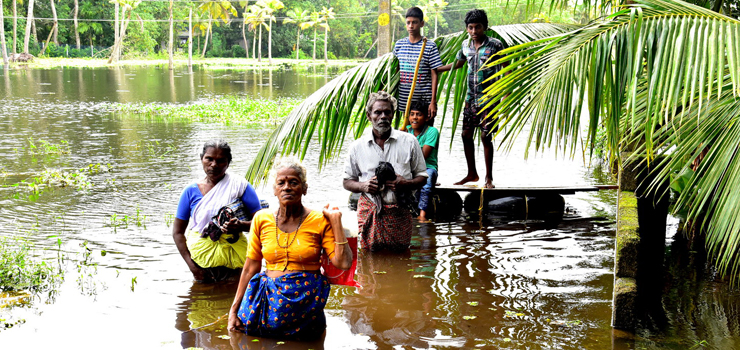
(351, 35)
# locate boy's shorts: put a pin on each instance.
(472, 120)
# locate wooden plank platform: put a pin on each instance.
(527, 190)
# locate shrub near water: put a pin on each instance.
(228, 111)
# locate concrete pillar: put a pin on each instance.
(384, 27)
(640, 243)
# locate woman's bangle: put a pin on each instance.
(345, 242)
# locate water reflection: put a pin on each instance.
(201, 316)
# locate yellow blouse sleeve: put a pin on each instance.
(328, 241)
(260, 220)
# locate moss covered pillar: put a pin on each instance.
(640, 243)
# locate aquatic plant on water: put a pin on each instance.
(20, 270)
(79, 179)
(227, 111)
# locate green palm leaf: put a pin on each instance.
(601, 64)
(664, 76)
(339, 105)
(710, 197)
(329, 112)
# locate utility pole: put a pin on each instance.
(384, 27)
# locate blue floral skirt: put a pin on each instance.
(290, 306)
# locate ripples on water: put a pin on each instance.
(462, 285)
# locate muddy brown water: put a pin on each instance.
(464, 284)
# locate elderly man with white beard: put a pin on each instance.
(383, 223)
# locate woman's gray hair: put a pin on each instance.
(380, 96)
(217, 144)
(289, 162)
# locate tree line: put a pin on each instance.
(317, 29)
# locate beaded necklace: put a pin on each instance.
(277, 238)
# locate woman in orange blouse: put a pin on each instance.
(287, 299)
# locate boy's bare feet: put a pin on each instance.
(489, 183)
(423, 216)
(467, 179)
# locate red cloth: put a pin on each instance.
(391, 229)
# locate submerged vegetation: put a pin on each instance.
(34, 186)
(20, 271)
(227, 111)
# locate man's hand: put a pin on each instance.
(398, 184)
(370, 186)
(432, 109)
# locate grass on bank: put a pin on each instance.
(228, 111)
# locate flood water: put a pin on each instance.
(464, 284)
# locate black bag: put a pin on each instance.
(384, 173)
(234, 209)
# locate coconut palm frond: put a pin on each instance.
(679, 49)
(329, 112)
(660, 76)
(705, 140)
(337, 106)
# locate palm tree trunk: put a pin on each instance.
(116, 27)
(326, 44)
(172, 37)
(55, 24)
(77, 33)
(298, 44)
(190, 41)
(269, 44)
(254, 47)
(116, 53)
(435, 24)
(259, 50)
(29, 22)
(244, 37)
(124, 25)
(15, 26)
(205, 41)
(2, 38)
(314, 43)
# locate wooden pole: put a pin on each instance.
(413, 86)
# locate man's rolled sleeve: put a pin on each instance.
(351, 169)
